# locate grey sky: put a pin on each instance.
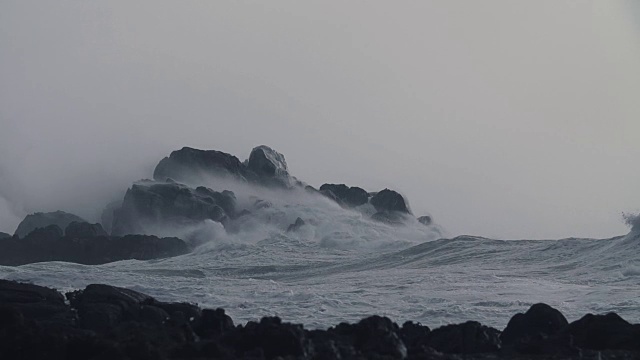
(508, 119)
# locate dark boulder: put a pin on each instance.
(379, 335)
(371, 338)
(528, 332)
(389, 200)
(192, 165)
(470, 337)
(149, 205)
(270, 167)
(40, 220)
(425, 220)
(414, 335)
(84, 230)
(103, 307)
(213, 323)
(4, 235)
(350, 196)
(270, 338)
(603, 332)
(296, 225)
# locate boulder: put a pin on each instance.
(350, 196)
(425, 220)
(528, 331)
(270, 338)
(604, 332)
(389, 200)
(149, 205)
(379, 335)
(84, 230)
(192, 165)
(270, 167)
(470, 337)
(40, 220)
(414, 335)
(214, 323)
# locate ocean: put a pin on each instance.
(341, 266)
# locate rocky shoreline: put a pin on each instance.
(106, 322)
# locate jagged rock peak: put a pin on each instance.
(189, 164)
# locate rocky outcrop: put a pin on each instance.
(530, 330)
(192, 165)
(270, 167)
(4, 235)
(43, 219)
(470, 337)
(105, 321)
(149, 205)
(265, 166)
(350, 196)
(389, 200)
(84, 230)
(603, 332)
(425, 220)
(82, 246)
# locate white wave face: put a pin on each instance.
(341, 266)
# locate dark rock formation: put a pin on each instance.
(84, 230)
(389, 200)
(192, 165)
(425, 220)
(40, 220)
(270, 167)
(4, 235)
(107, 322)
(350, 196)
(296, 225)
(529, 331)
(48, 244)
(148, 205)
(604, 332)
(467, 338)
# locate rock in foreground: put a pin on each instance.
(107, 322)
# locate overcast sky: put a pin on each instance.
(506, 119)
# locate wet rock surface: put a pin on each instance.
(107, 322)
(389, 200)
(190, 165)
(149, 205)
(350, 196)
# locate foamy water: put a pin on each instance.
(341, 266)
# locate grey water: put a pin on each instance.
(341, 266)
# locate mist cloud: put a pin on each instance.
(500, 119)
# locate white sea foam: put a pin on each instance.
(341, 266)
